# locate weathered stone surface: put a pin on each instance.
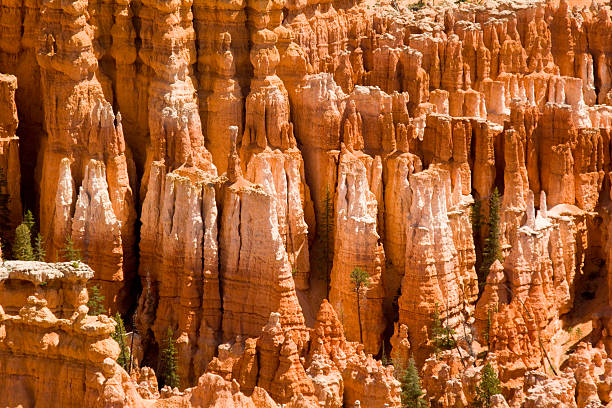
(84, 159)
(258, 152)
(46, 344)
(256, 270)
(435, 277)
(180, 268)
(9, 154)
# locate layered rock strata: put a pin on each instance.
(45, 327)
(85, 188)
(352, 136)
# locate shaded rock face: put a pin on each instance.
(9, 166)
(224, 167)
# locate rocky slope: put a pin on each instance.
(223, 168)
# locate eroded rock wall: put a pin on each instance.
(229, 162)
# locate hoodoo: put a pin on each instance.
(313, 203)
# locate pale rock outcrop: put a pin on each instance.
(255, 267)
(369, 382)
(213, 391)
(281, 174)
(357, 246)
(180, 269)
(451, 380)
(538, 277)
(398, 200)
(327, 382)
(541, 391)
(60, 346)
(437, 272)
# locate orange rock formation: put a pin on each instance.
(223, 167)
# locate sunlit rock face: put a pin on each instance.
(225, 167)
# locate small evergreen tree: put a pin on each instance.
(39, 248)
(5, 212)
(167, 362)
(383, 356)
(70, 252)
(360, 279)
(487, 329)
(326, 228)
(28, 219)
(119, 336)
(96, 301)
(475, 216)
(442, 336)
(22, 247)
(489, 386)
(492, 248)
(412, 394)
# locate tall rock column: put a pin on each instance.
(357, 246)
(438, 233)
(270, 152)
(223, 70)
(225, 104)
(168, 49)
(179, 265)
(255, 268)
(20, 30)
(557, 134)
(10, 174)
(398, 200)
(178, 246)
(131, 90)
(85, 191)
(516, 186)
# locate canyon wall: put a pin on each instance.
(10, 172)
(225, 167)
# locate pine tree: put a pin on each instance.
(96, 302)
(39, 248)
(167, 362)
(360, 279)
(487, 330)
(22, 247)
(412, 394)
(489, 386)
(492, 249)
(383, 356)
(28, 219)
(475, 216)
(326, 228)
(5, 212)
(442, 336)
(476, 220)
(119, 336)
(71, 253)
